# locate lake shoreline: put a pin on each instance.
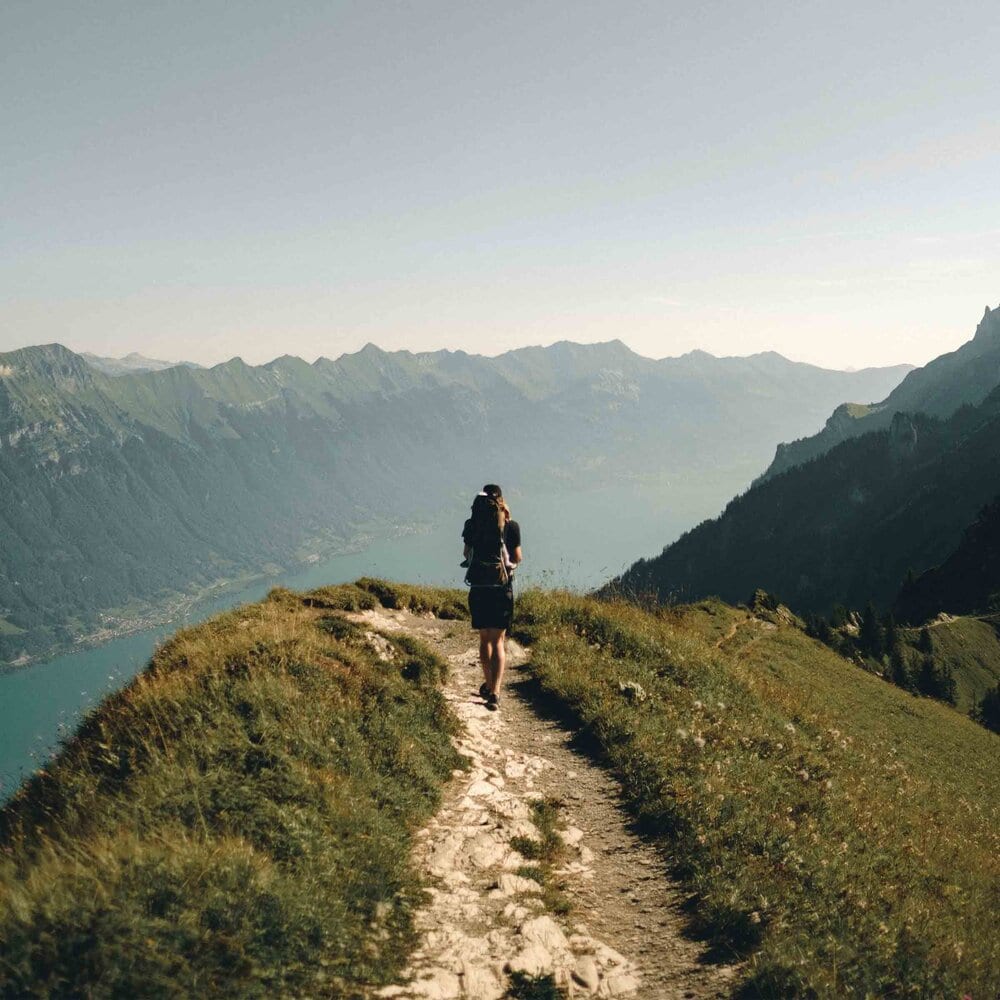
(158, 614)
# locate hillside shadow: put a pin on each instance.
(716, 948)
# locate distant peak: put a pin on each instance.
(989, 325)
(618, 345)
(236, 364)
(53, 350)
(606, 348)
(48, 360)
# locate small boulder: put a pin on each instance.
(619, 984)
(586, 973)
(571, 836)
(546, 932)
(513, 885)
(439, 985)
(632, 691)
(532, 960)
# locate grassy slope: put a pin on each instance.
(842, 832)
(240, 815)
(970, 645)
(237, 821)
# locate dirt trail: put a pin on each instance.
(623, 933)
(719, 643)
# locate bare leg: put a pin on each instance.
(486, 653)
(497, 660)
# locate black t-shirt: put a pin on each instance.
(511, 536)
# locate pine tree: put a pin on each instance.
(927, 680)
(926, 644)
(825, 632)
(891, 632)
(899, 672)
(987, 709)
(812, 625)
(947, 689)
(870, 634)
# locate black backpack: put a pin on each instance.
(487, 565)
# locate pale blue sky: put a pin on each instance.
(199, 180)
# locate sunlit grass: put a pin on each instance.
(236, 821)
(839, 832)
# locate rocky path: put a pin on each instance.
(621, 933)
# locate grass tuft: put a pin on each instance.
(548, 851)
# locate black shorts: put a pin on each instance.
(491, 607)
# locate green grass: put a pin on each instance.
(9, 628)
(546, 852)
(838, 832)
(371, 593)
(236, 822)
(970, 646)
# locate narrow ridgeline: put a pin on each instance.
(243, 819)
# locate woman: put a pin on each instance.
(492, 550)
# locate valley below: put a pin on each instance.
(135, 491)
(572, 541)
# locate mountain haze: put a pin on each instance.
(128, 489)
(131, 364)
(964, 376)
(848, 525)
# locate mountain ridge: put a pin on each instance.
(151, 482)
(137, 363)
(131, 363)
(965, 375)
(846, 526)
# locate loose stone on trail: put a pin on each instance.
(484, 918)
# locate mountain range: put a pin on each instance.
(126, 489)
(843, 517)
(967, 375)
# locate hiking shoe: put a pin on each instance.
(484, 691)
(493, 702)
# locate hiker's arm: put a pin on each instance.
(466, 551)
(515, 556)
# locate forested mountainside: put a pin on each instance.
(126, 488)
(844, 528)
(967, 581)
(965, 376)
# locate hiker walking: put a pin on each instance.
(492, 550)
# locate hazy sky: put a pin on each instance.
(199, 180)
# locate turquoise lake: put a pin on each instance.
(576, 541)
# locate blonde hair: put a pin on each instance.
(494, 491)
